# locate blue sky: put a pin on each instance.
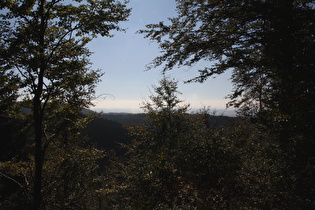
(123, 58)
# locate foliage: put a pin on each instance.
(146, 175)
(8, 92)
(269, 48)
(177, 160)
(261, 41)
(71, 173)
(46, 43)
(193, 165)
(167, 115)
(43, 45)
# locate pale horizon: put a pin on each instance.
(134, 106)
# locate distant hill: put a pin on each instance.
(130, 119)
(106, 134)
(109, 129)
(125, 118)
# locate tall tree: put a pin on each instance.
(269, 46)
(44, 44)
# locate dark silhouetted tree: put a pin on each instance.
(44, 44)
(269, 47)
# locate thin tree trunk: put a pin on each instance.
(38, 112)
(37, 197)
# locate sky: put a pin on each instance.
(122, 59)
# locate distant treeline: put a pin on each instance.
(110, 129)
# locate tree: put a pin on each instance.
(269, 46)
(167, 114)
(142, 178)
(44, 45)
(173, 162)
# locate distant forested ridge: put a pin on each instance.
(106, 134)
(110, 129)
(141, 118)
(125, 118)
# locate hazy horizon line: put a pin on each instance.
(216, 111)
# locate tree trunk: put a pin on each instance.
(37, 197)
(38, 112)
